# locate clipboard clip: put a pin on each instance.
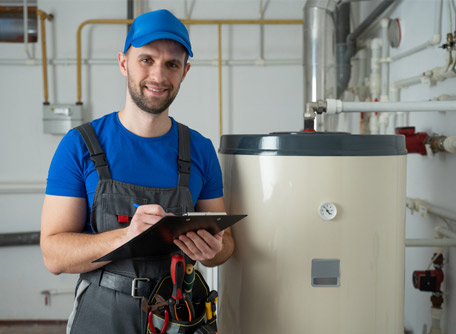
(204, 214)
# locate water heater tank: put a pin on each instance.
(322, 248)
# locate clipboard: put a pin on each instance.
(158, 239)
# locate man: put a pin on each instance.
(138, 155)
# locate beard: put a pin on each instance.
(151, 105)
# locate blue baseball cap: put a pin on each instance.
(159, 24)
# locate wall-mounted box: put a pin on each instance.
(59, 119)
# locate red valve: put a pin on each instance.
(415, 142)
(428, 280)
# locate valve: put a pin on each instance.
(428, 280)
(415, 142)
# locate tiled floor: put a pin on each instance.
(33, 329)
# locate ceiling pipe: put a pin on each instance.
(342, 31)
(351, 47)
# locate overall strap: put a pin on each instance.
(97, 155)
(184, 159)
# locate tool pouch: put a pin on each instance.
(200, 293)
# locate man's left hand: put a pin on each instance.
(200, 245)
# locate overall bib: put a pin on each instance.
(108, 300)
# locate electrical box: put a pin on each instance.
(58, 119)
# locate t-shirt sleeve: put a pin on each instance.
(213, 185)
(66, 172)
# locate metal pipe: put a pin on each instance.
(319, 57)
(342, 31)
(19, 239)
(369, 20)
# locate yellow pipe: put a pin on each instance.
(241, 22)
(217, 22)
(78, 47)
(43, 16)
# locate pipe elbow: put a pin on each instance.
(436, 38)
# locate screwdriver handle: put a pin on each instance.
(177, 275)
(189, 279)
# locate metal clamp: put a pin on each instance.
(134, 286)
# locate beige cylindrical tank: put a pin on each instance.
(322, 248)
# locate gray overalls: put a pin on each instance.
(104, 303)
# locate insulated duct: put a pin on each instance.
(319, 50)
(319, 53)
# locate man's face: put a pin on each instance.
(154, 74)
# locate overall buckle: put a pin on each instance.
(134, 286)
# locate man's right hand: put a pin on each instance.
(145, 216)
(66, 249)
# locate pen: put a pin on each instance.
(136, 205)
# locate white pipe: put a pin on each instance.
(22, 187)
(374, 82)
(385, 65)
(430, 242)
(198, 62)
(403, 83)
(338, 106)
(424, 207)
(435, 39)
(26, 45)
(445, 232)
(383, 119)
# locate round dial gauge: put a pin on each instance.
(327, 211)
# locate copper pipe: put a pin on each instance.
(43, 16)
(217, 22)
(78, 48)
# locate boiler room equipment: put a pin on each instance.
(322, 249)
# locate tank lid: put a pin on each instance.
(313, 144)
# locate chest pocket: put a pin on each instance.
(119, 209)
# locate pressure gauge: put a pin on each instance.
(327, 211)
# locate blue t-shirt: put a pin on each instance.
(150, 162)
